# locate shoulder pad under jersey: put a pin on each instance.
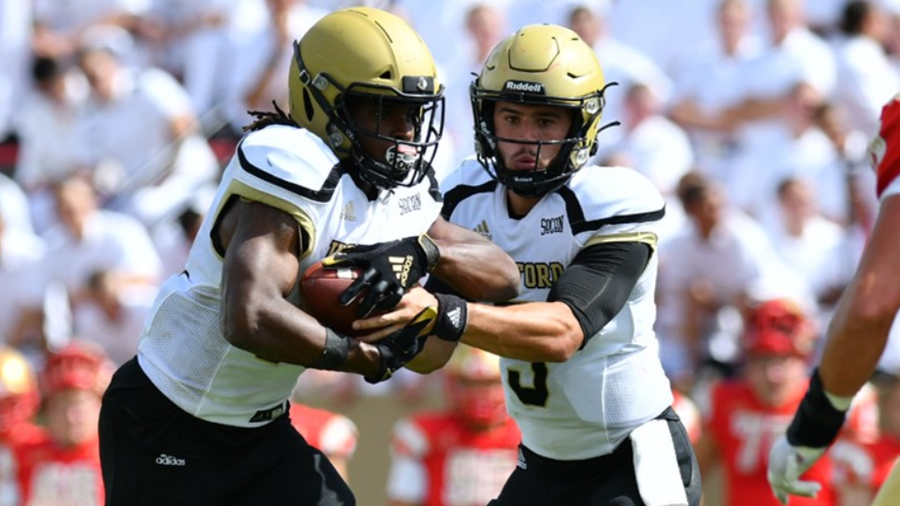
(468, 179)
(598, 196)
(293, 159)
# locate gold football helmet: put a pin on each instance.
(548, 65)
(370, 54)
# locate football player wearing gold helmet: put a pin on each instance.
(580, 360)
(201, 415)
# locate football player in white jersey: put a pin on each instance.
(581, 368)
(856, 336)
(200, 415)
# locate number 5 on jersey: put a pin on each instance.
(534, 395)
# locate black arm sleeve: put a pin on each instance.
(599, 280)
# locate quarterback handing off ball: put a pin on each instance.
(320, 289)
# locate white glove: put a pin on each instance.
(786, 464)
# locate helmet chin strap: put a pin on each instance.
(536, 182)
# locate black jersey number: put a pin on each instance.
(536, 395)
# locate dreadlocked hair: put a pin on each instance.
(266, 118)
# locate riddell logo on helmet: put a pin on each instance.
(525, 87)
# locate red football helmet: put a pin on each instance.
(80, 365)
(19, 398)
(474, 387)
(778, 327)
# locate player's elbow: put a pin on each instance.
(508, 283)
(565, 343)
(569, 336)
(240, 324)
(874, 312)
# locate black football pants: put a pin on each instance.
(154, 453)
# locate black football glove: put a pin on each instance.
(399, 348)
(389, 268)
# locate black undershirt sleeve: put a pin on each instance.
(599, 280)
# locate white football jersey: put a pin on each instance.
(182, 348)
(586, 406)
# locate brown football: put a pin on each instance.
(320, 290)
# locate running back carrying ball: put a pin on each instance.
(320, 290)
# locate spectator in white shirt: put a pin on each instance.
(20, 297)
(803, 151)
(261, 59)
(89, 240)
(138, 133)
(866, 78)
(668, 32)
(15, 53)
(707, 271)
(795, 55)
(485, 25)
(174, 237)
(113, 313)
(195, 45)
(622, 64)
(712, 84)
(60, 26)
(651, 143)
(802, 237)
(45, 125)
(442, 24)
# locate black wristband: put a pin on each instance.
(335, 352)
(452, 317)
(816, 423)
(431, 251)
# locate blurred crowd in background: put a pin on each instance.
(751, 116)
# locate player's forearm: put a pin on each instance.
(480, 271)
(474, 266)
(434, 356)
(856, 339)
(279, 332)
(859, 330)
(534, 332)
(272, 329)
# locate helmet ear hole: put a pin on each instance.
(307, 105)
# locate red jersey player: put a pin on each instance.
(461, 456)
(64, 468)
(747, 414)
